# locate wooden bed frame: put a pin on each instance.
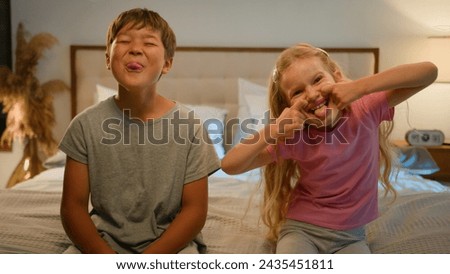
(76, 64)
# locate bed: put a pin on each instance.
(225, 84)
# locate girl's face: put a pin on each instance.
(303, 80)
(137, 59)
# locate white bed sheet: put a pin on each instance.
(49, 180)
(403, 181)
(417, 222)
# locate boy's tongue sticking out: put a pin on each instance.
(134, 66)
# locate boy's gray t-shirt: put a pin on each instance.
(137, 169)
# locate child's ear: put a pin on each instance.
(338, 76)
(167, 65)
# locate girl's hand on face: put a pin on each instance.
(292, 119)
(340, 94)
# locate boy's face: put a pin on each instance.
(137, 58)
(303, 80)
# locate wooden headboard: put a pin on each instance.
(197, 68)
(204, 75)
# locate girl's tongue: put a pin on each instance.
(321, 112)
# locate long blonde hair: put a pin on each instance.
(281, 176)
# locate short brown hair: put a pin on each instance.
(140, 18)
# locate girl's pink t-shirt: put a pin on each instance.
(339, 169)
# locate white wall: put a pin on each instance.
(387, 24)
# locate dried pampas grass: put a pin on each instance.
(28, 103)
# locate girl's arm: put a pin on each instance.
(415, 78)
(249, 154)
(75, 212)
(252, 153)
(400, 82)
(188, 223)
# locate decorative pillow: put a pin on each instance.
(57, 160)
(253, 108)
(213, 119)
(103, 93)
(417, 160)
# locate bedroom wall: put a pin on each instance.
(390, 25)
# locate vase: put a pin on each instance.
(29, 166)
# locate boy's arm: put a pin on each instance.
(400, 82)
(75, 212)
(188, 222)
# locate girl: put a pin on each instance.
(323, 150)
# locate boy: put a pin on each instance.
(140, 158)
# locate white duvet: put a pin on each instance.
(417, 222)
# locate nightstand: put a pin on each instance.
(441, 155)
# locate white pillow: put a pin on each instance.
(405, 182)
(56, 160)
(257, 105)
(103, 93)
(213, 119)
(253, 108)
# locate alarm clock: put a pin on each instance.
(420, 137)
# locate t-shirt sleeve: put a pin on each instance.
(73, 143)
(376, 105)
(202, 157)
